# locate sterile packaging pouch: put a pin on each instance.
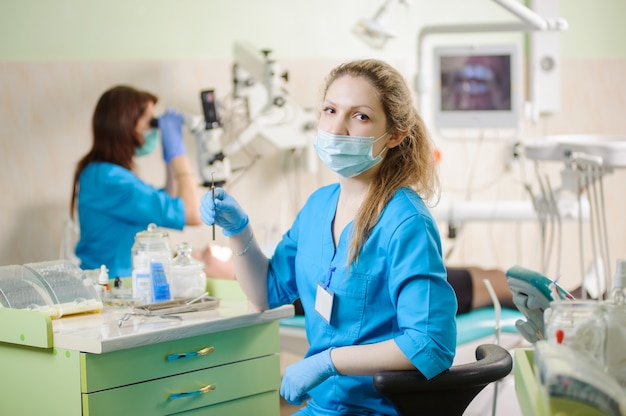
(574, 384)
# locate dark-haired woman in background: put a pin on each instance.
(111, 202)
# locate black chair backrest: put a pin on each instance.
(449, 393)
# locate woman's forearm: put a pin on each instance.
(366, 360)
(251, 267)
(181, 182)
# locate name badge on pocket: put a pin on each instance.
(324, 302)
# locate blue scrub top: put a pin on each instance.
(113, 206)
(397, 290)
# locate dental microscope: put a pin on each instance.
(256, 119)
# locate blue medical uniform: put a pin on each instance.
(113, 206)
(397, 290)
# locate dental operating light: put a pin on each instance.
(374, 31)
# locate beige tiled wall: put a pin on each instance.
(44, 129)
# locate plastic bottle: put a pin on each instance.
(103, 287)
(152, 260)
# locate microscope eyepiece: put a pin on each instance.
(154, 123)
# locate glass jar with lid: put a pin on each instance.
(152, 259)
(188, 277)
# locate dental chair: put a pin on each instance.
(449, 393)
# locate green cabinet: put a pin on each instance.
(222, 384)
(227, 372)
(38, 381)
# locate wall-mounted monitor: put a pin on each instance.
(477, 87)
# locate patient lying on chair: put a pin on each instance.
(467, 282)
(471, 291)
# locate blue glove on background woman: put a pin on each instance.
(171, 126)
(223, 211)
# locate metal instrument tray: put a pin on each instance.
(178, 306)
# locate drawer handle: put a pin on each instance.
(203, 351)
(205, 389)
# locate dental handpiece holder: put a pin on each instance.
(152, 264)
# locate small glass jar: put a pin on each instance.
(188, 277)
(578, 324)
(152, 260)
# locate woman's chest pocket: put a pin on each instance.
(349, 299)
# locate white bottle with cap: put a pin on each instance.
(103, 287)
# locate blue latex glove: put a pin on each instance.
(171, 126)
(224, 211)
(305, 375)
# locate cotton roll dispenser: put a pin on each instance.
(188, 277)
(152, 261)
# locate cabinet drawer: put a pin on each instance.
(230, 382)
(264, 404)
(119, 368)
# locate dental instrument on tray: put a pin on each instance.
(171, 309)
(200, 303)
(194, 300)
(129, 315)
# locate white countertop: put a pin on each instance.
(101, 332)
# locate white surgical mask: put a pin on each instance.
(151, 138)
(347, 155)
